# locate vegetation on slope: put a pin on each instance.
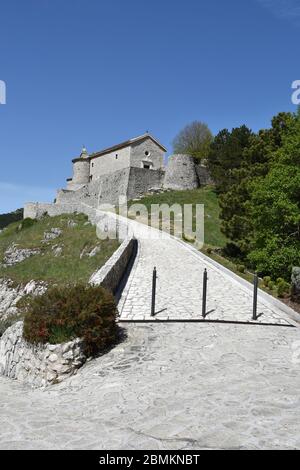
(64, 259)
(65, 313)
(206, 196)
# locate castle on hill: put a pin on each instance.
(130, 169)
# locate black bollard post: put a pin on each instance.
(154, 277)
(255, 283)
(204, 293)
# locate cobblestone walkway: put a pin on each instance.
(168, 386)
(179, 288)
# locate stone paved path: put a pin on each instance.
(179, 288)
(168, 386)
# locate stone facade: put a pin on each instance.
(38, 365)
(109, 163)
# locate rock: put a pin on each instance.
(90, 254)
(72, 223)
(10, 294)
(95, 251)
(54, 233)
(57, 250)
(295, 284)
(68, 355)
(14, 255)
(53, 357)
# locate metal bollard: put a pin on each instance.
(204, 293)
(154, 277)
(255, 283)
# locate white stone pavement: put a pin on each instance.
(172, 386)
(179, 288)
(168, 386)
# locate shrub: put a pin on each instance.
(283, 288)
(64, 313)
(241, 268)
(26, 223)
(266, 281)
(279, 280)
(232, 250)
(271, 285)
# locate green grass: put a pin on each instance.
(206, 196)
(66, 268)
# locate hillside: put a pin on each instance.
(206, 196)
(6, 219)
(61, 249)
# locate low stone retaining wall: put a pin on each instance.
(38, 365)
(111, 274)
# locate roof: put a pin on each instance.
(127, 143)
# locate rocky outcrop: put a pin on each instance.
(10, 294)
(54, 233)
(14, 255)
(296, 284)
(38, 365)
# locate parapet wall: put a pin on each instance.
(141, 181)
(111, 274)
(130, 183)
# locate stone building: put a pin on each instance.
(130, 169)
(141, 152)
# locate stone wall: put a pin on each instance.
(142, 180)
(38, 365)
(111, 274)
(36, 210)
(113, 186)
(130, 182)
(181, 173)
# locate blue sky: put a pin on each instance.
(97, 72)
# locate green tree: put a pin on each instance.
(195, 140)
(226, 155)
(274, 208)
(256, 159)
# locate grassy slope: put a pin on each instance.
(213, 235)
(206, 196)
(66, 268)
